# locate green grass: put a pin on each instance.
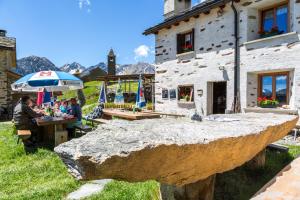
(43, 175)
(118, 190)
(37, 176)
(92, 89)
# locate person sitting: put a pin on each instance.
(23, 117)
(64, 107)
(77, 113)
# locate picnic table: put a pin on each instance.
(129, 115)
(55, 128)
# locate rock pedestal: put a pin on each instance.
(172, 151)
(201, 190)
(258, 161)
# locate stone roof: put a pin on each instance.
(203, 7)
(7, 42)
(111, 52)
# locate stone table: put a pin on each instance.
(177, 152)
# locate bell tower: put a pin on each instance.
(111, 63)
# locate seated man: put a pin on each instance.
(24, 119)
(76, 112)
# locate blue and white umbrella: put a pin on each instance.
(52, 81)
(102, 97)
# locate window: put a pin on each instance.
(172, 93)
(186, 93)
(185, 42)
(274, 86)
(274, 21)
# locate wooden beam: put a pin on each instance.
(207, 12)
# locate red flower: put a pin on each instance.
(261, 32)
(189, 46)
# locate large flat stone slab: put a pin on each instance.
(172, 151)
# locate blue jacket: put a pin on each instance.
(76, 112)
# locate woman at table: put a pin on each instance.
(64, 107)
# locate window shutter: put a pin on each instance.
(193, 39)
(179, 36)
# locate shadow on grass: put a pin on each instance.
(242, 183)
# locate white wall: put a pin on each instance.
(214, 43)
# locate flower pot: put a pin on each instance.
(268, 106)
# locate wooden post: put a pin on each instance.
(203, 190)
(258, 161)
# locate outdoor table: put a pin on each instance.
(55, 129)
(129, 115)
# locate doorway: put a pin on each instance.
(219, 97)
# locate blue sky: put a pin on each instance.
(82, 30)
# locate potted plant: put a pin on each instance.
(187, 48)
(263, 102)
(274, 31)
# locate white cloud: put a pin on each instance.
(142, 51)
(84, 4)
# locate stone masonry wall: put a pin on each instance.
(7, 61)
(214, 51)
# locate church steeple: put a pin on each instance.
(111, 62)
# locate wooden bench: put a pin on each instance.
(23, 134)
(96, 121)
(83, 128)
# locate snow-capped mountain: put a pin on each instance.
(33, 64)
(73, 68)
(138, 68)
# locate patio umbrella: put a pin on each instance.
(140, 96)
(43, 97)
(102, 96)
(47, 97)
(52, 81)
(119, 99)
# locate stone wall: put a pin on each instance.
(213, 58)
(7, 62)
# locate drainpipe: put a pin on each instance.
(236, 59)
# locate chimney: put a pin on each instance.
(2, 33)
(175, 7)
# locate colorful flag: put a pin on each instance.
(119, 98)
(140, 96)
(102, 97)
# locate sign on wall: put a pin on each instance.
(173, 94)
(165, 93)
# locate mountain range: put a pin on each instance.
(33, 64)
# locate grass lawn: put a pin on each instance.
(38, 176)
(43, 176)
(92, 89)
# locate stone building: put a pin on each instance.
(209, 54)
(7, 74)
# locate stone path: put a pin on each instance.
(88, 189)
(286, 185)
